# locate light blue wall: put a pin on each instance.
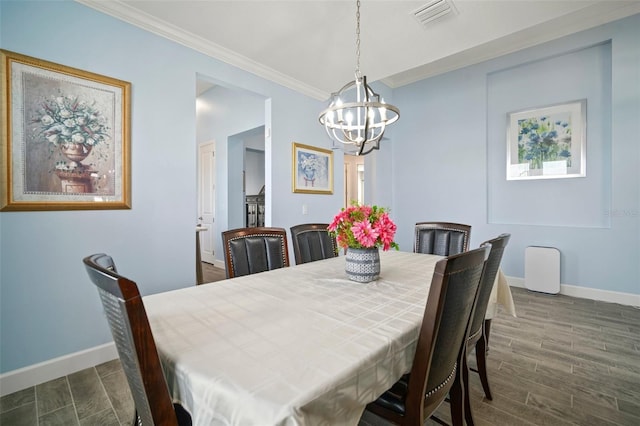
(47, 306)
(449, 161)
(553, 81)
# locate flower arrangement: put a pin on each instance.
(361, 226)
(544, 139)
(65, 120)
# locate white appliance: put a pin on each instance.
(542, 269)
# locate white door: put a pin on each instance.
(207, 199)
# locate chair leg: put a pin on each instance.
(466, 393)
(486, 330)
(482, 347)
(456, 396)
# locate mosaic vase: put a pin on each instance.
(362, 264)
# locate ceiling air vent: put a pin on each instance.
(433, 10)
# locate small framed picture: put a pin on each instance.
(547, 143)
(312, 170)
(65, 137)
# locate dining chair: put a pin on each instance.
(441, 238)
(478, 331)
(312, 241)
(252, 250)
(440, 347)
(136, 346)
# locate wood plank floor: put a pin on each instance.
(211, 274)
(563, 361)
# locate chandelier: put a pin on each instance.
(356, 115)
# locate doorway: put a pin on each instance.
(246, 171)
(353, 179)
(207, 200)
(228, 115)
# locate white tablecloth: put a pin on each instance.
(293, 346)
(500, 295)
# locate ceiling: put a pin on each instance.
(309, 45)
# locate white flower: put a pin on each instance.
(67, 119)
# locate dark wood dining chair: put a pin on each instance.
(479, 328)
(135, 344)
(312, 241)
(441, 238)
(252, 250)
(440, 347)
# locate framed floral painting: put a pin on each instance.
(65, 137)
(312, 169)
(548, 142)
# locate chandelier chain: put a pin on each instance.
(357, 116)
(358, 74)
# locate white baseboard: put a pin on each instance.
(588, 293)
(32, 375)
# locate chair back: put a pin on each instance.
(498, 245)
(311, 242)
(252, 250)
(134, 341)
(444, 330)
(441, 238)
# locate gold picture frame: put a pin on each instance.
(312, 169)
(65, 137)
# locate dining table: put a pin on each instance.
(300, 345)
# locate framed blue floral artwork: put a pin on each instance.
(64, 137)
(312, 169)
(547, 142)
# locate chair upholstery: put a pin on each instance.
(478, 331)
(441, 238)
(311, 242)
(252, 250)
(134, 341)
(440, 346)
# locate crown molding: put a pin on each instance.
(135, 17)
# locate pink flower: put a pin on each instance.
(386, 230)
(363, 227)
(364, 233)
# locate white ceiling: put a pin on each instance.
(309, 45)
